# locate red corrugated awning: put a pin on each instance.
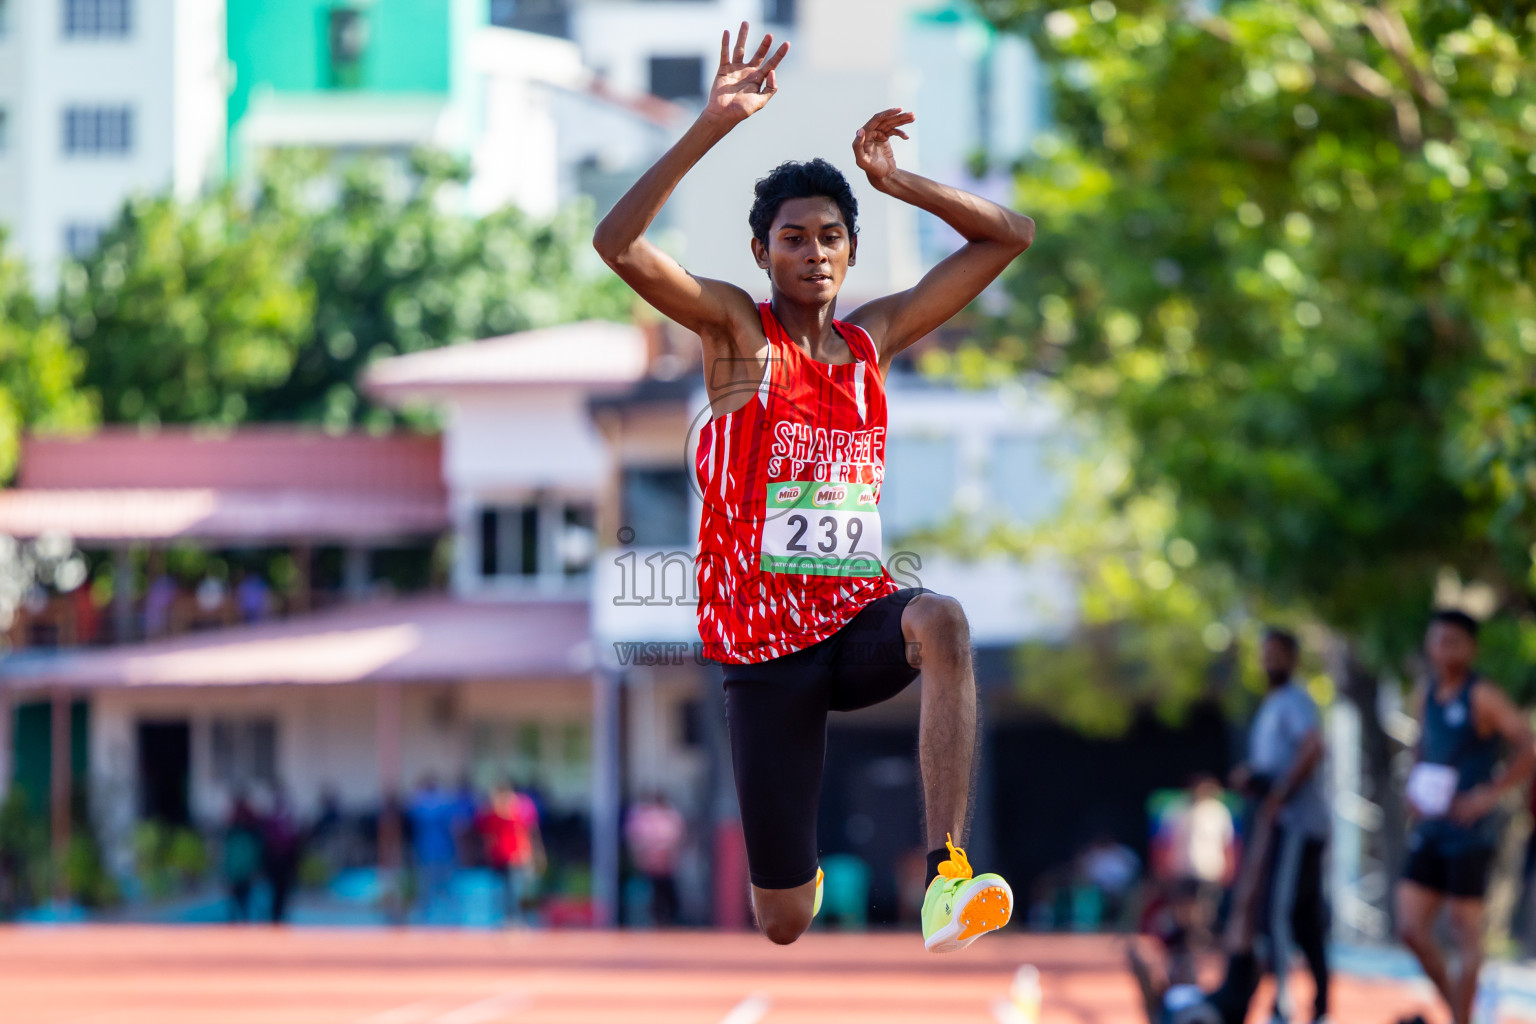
(254, 485)
(422, 640)
(115, 515)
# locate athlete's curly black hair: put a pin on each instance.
(795, 179)
(1458, 618)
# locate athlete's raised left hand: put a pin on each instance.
(742, 87)
(872, 143)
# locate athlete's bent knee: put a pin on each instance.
(781, 931)
(938, 623)
(783, 925)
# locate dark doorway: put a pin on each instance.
(165, 771)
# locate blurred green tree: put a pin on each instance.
(395, 269)
(185, 310)
(225, 311)
(39, 371)
(1285, 255)
(1286, 251)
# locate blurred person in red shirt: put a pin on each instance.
(655, 832)
(514, 847)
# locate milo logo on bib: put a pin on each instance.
(821, 529)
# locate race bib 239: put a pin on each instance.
(821, 529)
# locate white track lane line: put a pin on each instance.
(411, 1013)
(485, 1010)
(749, 1011)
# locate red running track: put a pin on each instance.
(260, 975)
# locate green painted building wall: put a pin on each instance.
(414, 47)
(32, 751)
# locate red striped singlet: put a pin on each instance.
(789, 543)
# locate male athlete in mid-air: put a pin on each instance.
(793, 598)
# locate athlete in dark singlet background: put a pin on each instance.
(1454, 790)
(793, 598)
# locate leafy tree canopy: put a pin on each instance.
(39, 371)
(1284, 255)
(225, 311)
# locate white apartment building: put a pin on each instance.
(100, 99)
(973, 90)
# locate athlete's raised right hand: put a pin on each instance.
(743, 87)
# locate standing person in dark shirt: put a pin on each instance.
(1454, 790)
(282, 846)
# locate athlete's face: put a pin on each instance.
(809, 250)
(1449, 648)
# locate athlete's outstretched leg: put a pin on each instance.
(960, 906)
(939, 645)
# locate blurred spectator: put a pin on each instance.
(281, 849)
(466, 810)
(159, 597)
(1285, 751)
(514, 847)
(208, 603)
(253, 598)
(1113, 869)
(433, 816)
(655, 832)
(242, 857)
(1201, 859)
(331, 837)
(87, 617)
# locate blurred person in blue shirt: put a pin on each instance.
(435, 823)
(1285, 754)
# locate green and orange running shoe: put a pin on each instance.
(820, 878)
(960, 907)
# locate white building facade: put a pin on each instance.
(100, 99)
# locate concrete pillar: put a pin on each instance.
(355, 572)
(302, 592)
(606, 794)
(122, 595)
(7, 724)
(391, 832)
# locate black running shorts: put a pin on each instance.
(1460, 873)
(776, 711)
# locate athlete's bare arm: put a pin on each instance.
(723, 315)
(994, 237)
(1496, 714)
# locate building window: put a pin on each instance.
(1025, 486)
(98, 130)
(546, 17)
(97, 19)
(536, 539)
(921, 475)
(80, 240)
(677, 78)
(655, 503)
(348, 39)
(779, 12)
(244, 751)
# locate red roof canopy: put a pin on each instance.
(419, 640)
(263, 484)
